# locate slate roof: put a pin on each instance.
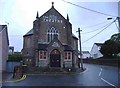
(99, 44)
(67, 48)
(85, 52)
(74, 36)
(29, 33)
(44, 47)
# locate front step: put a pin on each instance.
(41, 70)
(54, 69)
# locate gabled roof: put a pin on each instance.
(86, 52)
(42, 46)
(67, 48)
(45, 46)
(29, 33)
(52, 10)
(99, 44)
(74, 36)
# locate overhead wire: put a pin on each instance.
(99, 32)
(91, 26)
(88, 8)
(94, 25)
(94, 30)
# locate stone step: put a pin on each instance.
(56, 70)
(38, 69)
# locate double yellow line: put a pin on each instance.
(23, 77)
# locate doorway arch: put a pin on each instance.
(55, 60)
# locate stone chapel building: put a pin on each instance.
(51, 43)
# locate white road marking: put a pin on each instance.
(100, 72)
(108, 82)
(105, 80)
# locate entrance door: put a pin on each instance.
(55, 58)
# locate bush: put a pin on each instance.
(14, 57)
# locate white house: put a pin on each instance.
(86, 54)
(4, 43)
(11, 50)
(95, 51)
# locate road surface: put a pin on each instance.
(95, 75)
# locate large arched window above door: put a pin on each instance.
(51, 32)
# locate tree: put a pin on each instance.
(115, 37)
(110, 48)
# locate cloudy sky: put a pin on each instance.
(20, 15)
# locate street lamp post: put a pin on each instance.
(117, 18)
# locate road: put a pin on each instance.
(95, 75)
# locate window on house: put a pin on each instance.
(42, 55)
(51, 32)
(65, 55)
(68, 55)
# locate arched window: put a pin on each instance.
(51, 32)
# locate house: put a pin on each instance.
(118, 54)
(4, 43)
(11, 50)
(51, 43)
(86, 54)
(95, 51)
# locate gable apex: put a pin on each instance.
(55, 43)
(52, 11)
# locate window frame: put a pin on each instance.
(50, 33)
(67, 55)
(42, 55)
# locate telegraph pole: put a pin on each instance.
(79, 35)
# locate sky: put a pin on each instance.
(20, 14)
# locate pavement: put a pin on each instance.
(8, 77)
(78, 70)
